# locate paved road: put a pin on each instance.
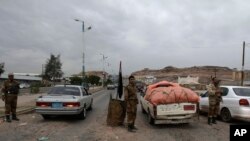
(93, 128)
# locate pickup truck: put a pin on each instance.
(168, 113)
(65, 100)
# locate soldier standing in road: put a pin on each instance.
(131, 103)
(10, 91)
(214, 98)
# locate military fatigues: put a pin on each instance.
(214, 99)
(10, 90)
(131, 104)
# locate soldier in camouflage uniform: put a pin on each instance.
(131, 103)
(214, 98)
(10, 91)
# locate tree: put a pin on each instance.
(109, 81)
(53, 69)
(75, 80)
(1, 68)
(93, 79)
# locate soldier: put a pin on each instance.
(10, 91)
(131, 103)
(214, 98)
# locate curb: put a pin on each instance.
(31, 109)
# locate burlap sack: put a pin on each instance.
(116, 112)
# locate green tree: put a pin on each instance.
(76, 80)
(1, 68)
(53, 69)
(109, 81)
(93, 79)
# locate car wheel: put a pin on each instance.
(46, 116)
(225, 115)
(150, 119)
(82, 115)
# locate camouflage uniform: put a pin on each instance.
(214, 98)
(10, 90)
(131, 104)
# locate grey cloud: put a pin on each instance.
(142, 34)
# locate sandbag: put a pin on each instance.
(116, 112)
(165, 92)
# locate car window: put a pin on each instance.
(65, 91)
(224, 91)
(205, 94)
(242, 91)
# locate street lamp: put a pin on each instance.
(83, 56)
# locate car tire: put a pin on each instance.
(225, 115)
(150, 119)
(46, 117)
(82, 115)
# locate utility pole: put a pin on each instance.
(83, 54)
(243, 62)
(103, 68)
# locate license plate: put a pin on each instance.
(57, 105)
(170, 108)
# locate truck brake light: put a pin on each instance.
(189, 107)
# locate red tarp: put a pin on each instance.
(165, 92)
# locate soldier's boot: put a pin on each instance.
(214, 120)
(14, 117)
(209, 120)
(134, 127)
(130, 129)
(8, 118)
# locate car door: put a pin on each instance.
(204, 102)
(225, 99)
(86, 97)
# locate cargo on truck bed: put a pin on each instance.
(168, 103)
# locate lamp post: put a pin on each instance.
(83, 55)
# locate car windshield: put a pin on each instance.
(65, 91)
(242, 91)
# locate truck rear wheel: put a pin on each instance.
(151, 120)
(142, 109)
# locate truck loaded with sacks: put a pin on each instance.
(169, 103)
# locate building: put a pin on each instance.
(21, 78)
(190, 82)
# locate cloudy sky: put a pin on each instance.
(140, 33)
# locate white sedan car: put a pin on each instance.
(235, 104)
(65, 100)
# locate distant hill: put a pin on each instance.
(204, 73)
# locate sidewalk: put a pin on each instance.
(27, 102)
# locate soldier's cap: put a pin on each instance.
(11, 74)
